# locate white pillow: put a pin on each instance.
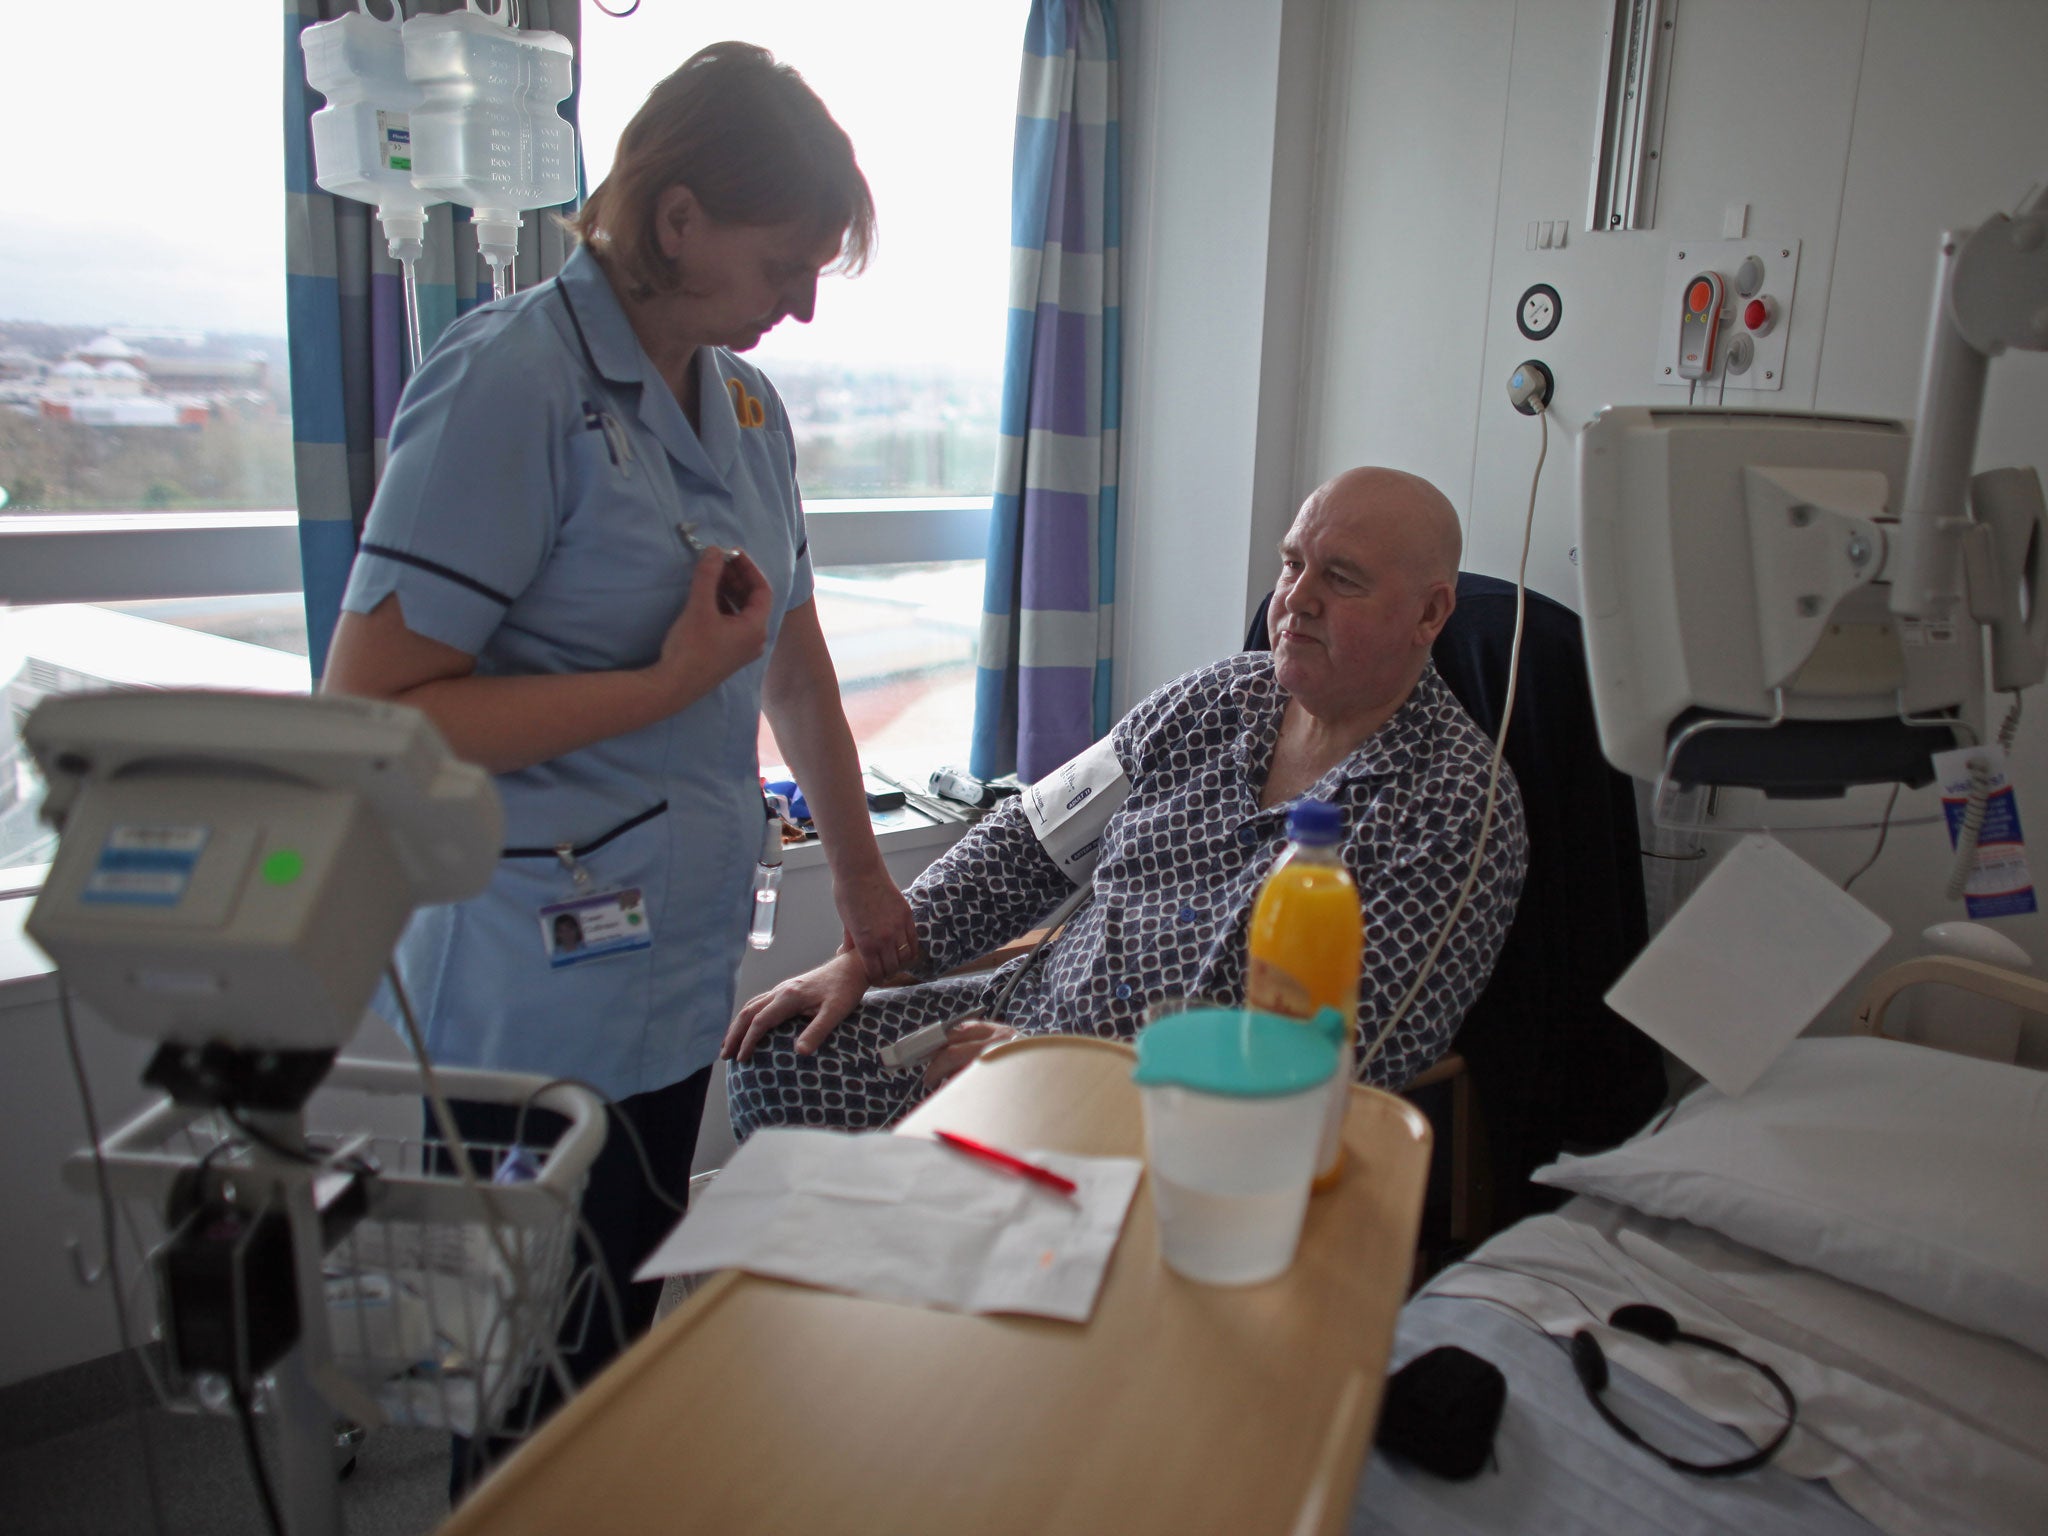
(1909, 1171)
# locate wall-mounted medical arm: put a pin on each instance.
(2005, 570)
(1990, 293)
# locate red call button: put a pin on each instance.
(1756, 314)
(1698, 297)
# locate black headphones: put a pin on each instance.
(1659, 1326)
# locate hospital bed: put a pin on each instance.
(1869, 1220)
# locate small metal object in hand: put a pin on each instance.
(729, 600)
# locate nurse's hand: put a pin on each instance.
(824, 996)
(964, 1042)
(879, 927)
(723, 627)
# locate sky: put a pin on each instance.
(155, 203)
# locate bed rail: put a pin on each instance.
(2023, 992)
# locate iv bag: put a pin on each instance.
(362, 145)
(485, 132)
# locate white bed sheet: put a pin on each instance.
(1918, 1425)
(1557, 1470)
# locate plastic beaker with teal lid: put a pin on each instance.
(1233, 1112)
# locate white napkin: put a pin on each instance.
(906, 1219)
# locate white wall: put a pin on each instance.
(1410, 184)
(47, 1319)
(1860, 129)
(1219, 139)
(1441, 128)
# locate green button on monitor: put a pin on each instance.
(284, 866)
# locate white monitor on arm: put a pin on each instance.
(1799, 603)
(234, 868)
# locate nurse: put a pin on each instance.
(586, 562)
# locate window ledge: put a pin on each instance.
(22, 525)
(54, 557)
(27, 976)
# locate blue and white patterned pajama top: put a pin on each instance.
(1182, 861)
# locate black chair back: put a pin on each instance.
(1553, 1067)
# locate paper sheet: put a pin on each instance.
(906, 1219)
(1745, 965)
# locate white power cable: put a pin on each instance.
(1884, 827)
(111, 1258)
(1507, 714)
(486, 1197)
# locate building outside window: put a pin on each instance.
(146, 498)
(145, 410)
(895, 387)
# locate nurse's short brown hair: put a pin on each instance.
(754, 145)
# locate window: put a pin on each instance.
(177, 643)
(145, 411)
(894, 389)
(142, 290)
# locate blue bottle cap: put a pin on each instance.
(1314, 821)
(1238, 1053)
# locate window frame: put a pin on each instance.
(117, 557)
(123, 557)
(897, 530)
(120, 557)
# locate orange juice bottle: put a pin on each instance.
(1307, 946)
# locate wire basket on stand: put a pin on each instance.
(416, 1296)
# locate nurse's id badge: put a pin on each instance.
(591, 927)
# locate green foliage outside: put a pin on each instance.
(233, 462)
(246, 463)
(953, 460)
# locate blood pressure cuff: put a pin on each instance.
(1070, 806)
(1441, 1410)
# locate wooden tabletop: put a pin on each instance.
(761, 1406)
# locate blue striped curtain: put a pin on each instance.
(1042, 689)
(345, 313)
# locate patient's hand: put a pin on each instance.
(824, 995)
(964, 1042)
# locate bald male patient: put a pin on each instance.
(1346, 707)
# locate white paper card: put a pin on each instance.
(1764, 944)
(906, 1219)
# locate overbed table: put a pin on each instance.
(761, 1406)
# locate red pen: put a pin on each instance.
(1001, 1159)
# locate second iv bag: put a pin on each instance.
(485, 133)
(362, 143)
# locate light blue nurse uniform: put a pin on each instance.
(531, 513)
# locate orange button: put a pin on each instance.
(1697, 298)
